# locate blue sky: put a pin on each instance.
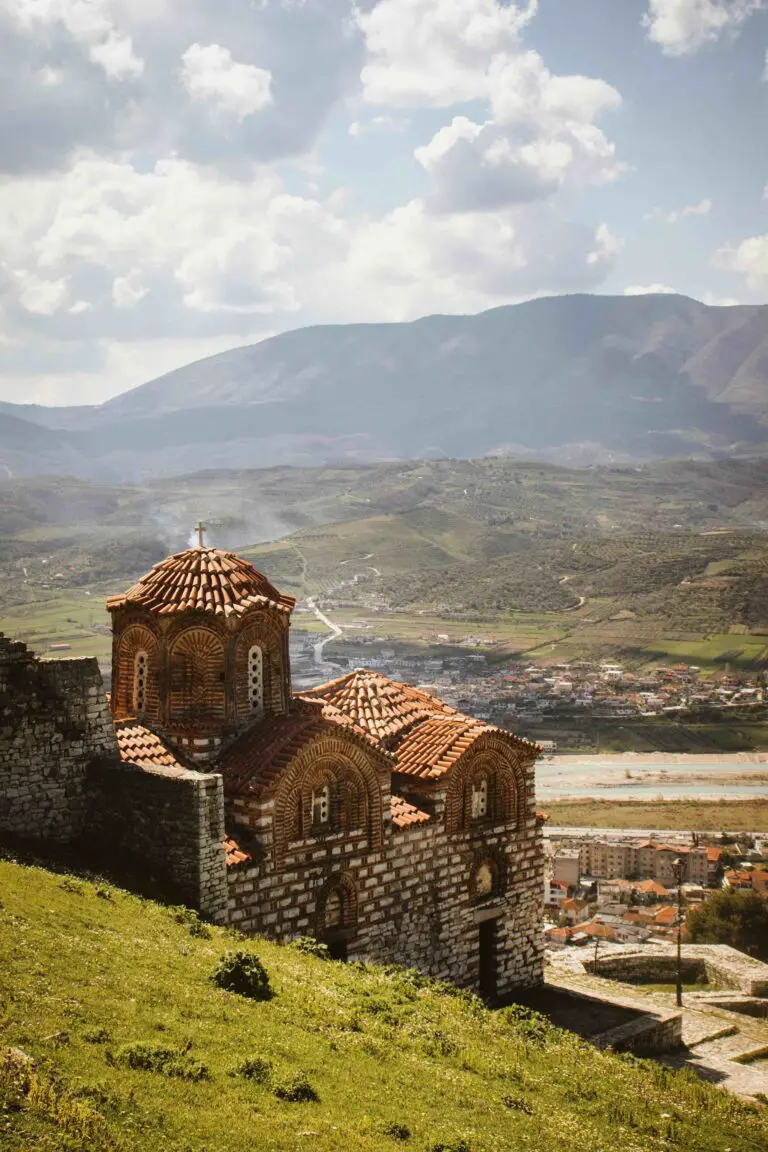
(182, 176)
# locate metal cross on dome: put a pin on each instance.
(201, 530)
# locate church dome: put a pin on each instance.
(203, 579)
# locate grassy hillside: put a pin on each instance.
(691, 815)
(93, 980)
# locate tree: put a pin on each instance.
(731, 916)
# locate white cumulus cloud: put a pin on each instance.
(90, 23)
(749, 258)
(681, 27)
(648, 290)
(702, 208)
(209, 73)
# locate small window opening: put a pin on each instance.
(140, 666)
(256, 680)
(321, 806)
(484, 880)
(480, 798)
(333, 910)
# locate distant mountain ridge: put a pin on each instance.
(569, 379)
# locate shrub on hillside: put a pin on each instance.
(449, 1146)
(256, 1068)
(243, 973)
(296, 1089)
(175, 1063)
(730, 916)
(396, 1131)
(308, 946)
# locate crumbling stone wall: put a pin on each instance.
(169, 822)
(413, 899)
(54, 720)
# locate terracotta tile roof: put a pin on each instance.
(256, 758)
(651, 887)
(666, 916)
(426, 736)
(235, 853)
(433, 747)
(713, 853)
(139, 745)
(405, 814)
(381, 706)
(205, 579)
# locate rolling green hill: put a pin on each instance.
(606, 558)
(136, 1050)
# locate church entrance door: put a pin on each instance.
(488, 948)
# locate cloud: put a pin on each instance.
(749, 258)
(539, 138)
(89, 23)
(681, 27)
(433, 53)
(378, 124)
(210, 74)
(105, 75)
(649, 290)
(703, 208)
(151, 209)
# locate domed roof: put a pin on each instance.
(203, 579)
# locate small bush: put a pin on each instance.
(396, 1131)
(243, 973)
(308, 946)
(449, 1146)
(190, 919)
(96, 1036)
(295, 1088)
(532, 1026)
(256, 1068)
(517, 1105)
(172, 1062)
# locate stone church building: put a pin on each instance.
(363, 812)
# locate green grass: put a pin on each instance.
(691, 815)
(68, 617)
(110, 993)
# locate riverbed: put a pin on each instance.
(652, 776)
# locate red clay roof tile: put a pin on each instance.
(405, 814)
(185, 581)
(139, 745)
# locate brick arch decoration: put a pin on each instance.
(344, 885)
(132, 640)
(497, 861)
(355, 792)
(266, 633)
(196, 676)
(495, 759)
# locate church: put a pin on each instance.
(364, 812)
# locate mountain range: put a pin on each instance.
(570, 379)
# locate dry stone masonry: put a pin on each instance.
(366, 813)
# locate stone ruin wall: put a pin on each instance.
(54, 720)
(168, 822)
(413, 898)
(61, 780)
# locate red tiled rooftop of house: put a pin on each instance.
(713, 853)
(205, 579)
(666, 916)
(651, 887)
(405, 814)
(139, 745)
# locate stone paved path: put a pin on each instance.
(708, 1050)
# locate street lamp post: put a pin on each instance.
(678, 867)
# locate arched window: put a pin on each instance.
(140, 674)
(321, 808)
(480, 798)
(256, 680)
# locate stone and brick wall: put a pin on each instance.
(170, 822)
(411, 900)
(54, 720)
